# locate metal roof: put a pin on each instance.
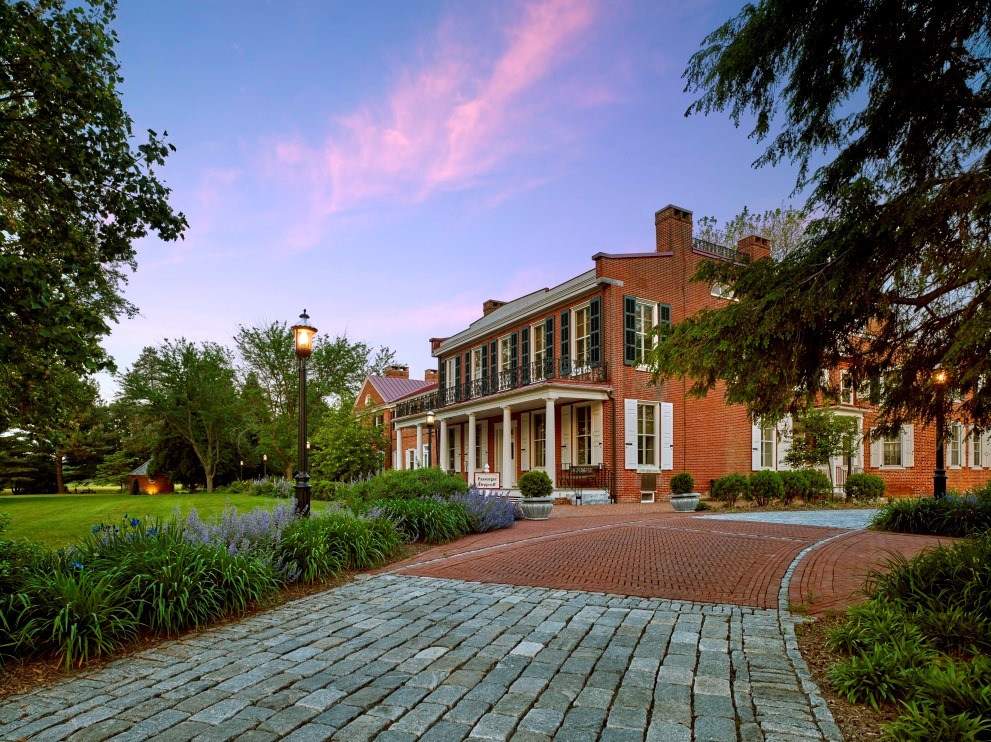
(141, 471)
(393, 388)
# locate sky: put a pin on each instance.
(389, 166)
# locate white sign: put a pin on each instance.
(487, 480)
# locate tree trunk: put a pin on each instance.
(59, 475)
(289, 472)
(209, 482)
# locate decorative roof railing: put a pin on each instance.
(720, 251)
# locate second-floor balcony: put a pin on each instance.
(550, 369)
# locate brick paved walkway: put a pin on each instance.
(613, 623)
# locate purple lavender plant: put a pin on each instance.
(488, 512)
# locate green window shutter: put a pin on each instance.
(549, 347)
(514, 357)
(664, 319)
(442, 381)
(494, 365)
(565, 342)
(485, 368)
(629, 330)
(457, 378)
(594, 314)
(525, 355)
(467, 374)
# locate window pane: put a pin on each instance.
(767, 446)
(646, 435)
(582, 335)
(892, 452)
(583, 436)
(539, 439)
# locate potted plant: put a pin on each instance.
(536, 488)
(683, 499)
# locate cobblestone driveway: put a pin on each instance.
(400, 658)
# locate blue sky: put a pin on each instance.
(391, 165)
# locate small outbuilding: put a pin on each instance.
(142, 484)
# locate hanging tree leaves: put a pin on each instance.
(885, 107)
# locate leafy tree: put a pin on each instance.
(75, 193)
(894, 100)
(270, 373)
(190, 393)
(347, 446)
(117, 468)
(784, 227)
(820, 435)
(24, 468)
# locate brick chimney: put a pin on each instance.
(491, 305)
(430, 375)
(674, 229)
(397, 371)
(755, 246)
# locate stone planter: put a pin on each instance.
(685, 503)
(537, 508)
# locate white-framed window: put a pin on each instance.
(539, 435)
(451, 379)
(891, 451)
(722, 291)
(846, 388)
(479, 464)
(581, 336)
(379, 420)
(645, 319)
(768, 442)
(980, 449)
(583, 435)
(954, 446)
(410, 458)
(476, 364)
(451, 451)
(505, 359)
(895, 452)
(646, 434)
(538, 346)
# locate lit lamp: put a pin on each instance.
(430, 437)
(939, 474)
(265, 465)
(242, 469)
(303, 334)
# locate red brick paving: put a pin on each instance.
(651, 551)
(830, 578)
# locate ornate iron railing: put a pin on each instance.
(712, 248)
(550, 368)
(580, 479)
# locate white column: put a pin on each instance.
(418, 456)
(470, 453)
(550, 442)
(440, 457)
(508, 463)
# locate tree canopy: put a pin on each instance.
(76, 190)
(885, 108)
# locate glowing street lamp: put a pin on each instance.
(940, 377)
(430, 437)
(242, 469)
(303, 334)
(265, 465)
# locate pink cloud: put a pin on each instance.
(447, 124)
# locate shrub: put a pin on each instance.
(323, 490)
(431, 521)
(795, 484)
(946, 516)
(398, 484)
(864, 487)
(237, 487)
(536, 483)
(682, 484)
(488, 512)
(271, 487)
(765, 487)
(819, 486)
(883, 672)
(303, 550)
(78, 614)
(730, 488)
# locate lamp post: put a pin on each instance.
(430, 437)
(939, 474)
(303, 334)
(242, 470)
(265, 465)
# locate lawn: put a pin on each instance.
(58, 520)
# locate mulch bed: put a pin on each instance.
(858, 722)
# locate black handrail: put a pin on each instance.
(550, 368)
(713, 249)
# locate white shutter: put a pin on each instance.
(456, 432)
(986, 450)
(667, 435)
(525, 441)
(876, 444)
(908, 445)
(782, 444)
(423, 456)
(483, 442)
(630, 432)
(755, 445)
(973, 441)
(596, 433)
(565, 436)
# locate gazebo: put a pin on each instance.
(142, 484)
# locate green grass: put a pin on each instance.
(58, 520)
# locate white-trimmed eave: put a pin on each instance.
(567, 291)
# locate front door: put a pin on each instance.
(498, 452)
